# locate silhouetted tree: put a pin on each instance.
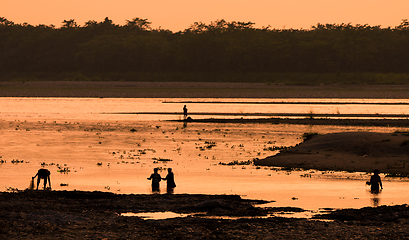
(218, 47)
(138, 24)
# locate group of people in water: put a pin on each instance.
(375, 182)
(156, 178)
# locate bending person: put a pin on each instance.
(45, 175)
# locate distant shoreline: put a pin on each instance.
(118, 89)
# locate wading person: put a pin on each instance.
(156, 178)
(170, 181)
(45, 175)
(375, 182)
(184, 112)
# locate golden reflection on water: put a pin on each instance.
(100, 152)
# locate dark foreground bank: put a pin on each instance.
(96, 215)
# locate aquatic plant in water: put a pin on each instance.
(236, 162)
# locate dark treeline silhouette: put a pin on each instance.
(216, 47)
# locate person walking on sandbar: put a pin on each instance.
(184, 112)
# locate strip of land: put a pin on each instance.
(120, 89)
(348, 151)
(307, 115)
(306, 121)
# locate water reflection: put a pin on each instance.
(95, 108)
(167, 215)
(375, 201)
(73, 133)
(154, 215)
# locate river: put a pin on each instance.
(112, 144)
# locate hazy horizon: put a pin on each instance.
(178, 15)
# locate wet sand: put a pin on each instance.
(76, 214)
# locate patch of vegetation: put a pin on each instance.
(397, 175)
(236, 162)
(308, 136)
(162, 159)
(310, 115)
(276, 148)
(208, 144)
(287, 168)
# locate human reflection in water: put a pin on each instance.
(375, 200)
(375, 182)
(45, 175)
(156, 178)
(170, 181)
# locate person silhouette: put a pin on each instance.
(156, 178)
(170, 181)
(375, 182)
(185, 112)
(45, 175)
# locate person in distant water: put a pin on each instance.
(156, 178)
(170, 181)
(375, 182)
(45, 175)
(185, 112)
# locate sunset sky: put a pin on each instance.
(178, 15)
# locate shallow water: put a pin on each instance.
(97, 150)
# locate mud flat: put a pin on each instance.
(195, 90)
(308, 121)
(348, 151)
(97, 215)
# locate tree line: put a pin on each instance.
(217, 47)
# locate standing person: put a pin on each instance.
(185, 112)
(375, 182)
(170, 181)
(156, 178)
(45, 175)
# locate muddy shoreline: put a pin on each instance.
(96, 215)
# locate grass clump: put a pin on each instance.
(308, 136)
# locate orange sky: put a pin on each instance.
(180, 14)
